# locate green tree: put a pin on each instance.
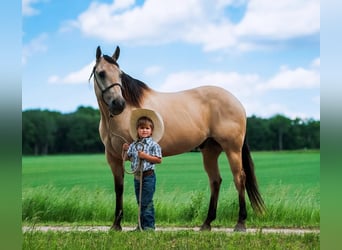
(38, 132)
(78, 131)
(280, 126)
(312, 133)
(46, 132)
(258, 133)
(294, 136)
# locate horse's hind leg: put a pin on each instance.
(235, 162)
(210, 152)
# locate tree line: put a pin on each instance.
(50, 132)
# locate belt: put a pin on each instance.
(148, 172)
(145, 173)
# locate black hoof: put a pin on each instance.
(205, 227)
(116, 228)
(240, 227)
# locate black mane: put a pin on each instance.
(133, 89)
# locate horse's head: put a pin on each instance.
(107, 79)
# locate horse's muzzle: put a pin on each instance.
(117, 106)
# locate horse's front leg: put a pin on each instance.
(118, 174)
(118, 182)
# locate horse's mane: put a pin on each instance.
(133, 89)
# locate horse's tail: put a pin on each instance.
(254, 195)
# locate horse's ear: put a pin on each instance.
(116, 53)
(98, 53)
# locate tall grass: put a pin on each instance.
(48, 204)
(79, 189)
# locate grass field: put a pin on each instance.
(167, 240)
(78, 190)
(184, 172)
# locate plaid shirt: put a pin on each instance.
(150, 147)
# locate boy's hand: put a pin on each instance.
(142, 154)
(150, 158)
(125, 146)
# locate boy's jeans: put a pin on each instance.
(147, 207)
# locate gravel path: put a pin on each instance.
(167, 229)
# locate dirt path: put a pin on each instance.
(167, 229)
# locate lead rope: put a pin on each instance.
(140, 147)
(123, 151)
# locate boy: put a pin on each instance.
(146, 129)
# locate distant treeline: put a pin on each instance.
(50, 132)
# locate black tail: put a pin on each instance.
(251, 182)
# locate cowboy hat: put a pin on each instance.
(156, 118)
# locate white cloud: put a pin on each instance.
(316, 63)
(239, 84)
(167, 21)
(267, 19)
(77, 77)
(212, 36)
(298, 78)
(152, 70)
(27, 8)
(294, 79)
(252, 89)
(154, 20)
(36, 45)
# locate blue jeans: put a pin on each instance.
(147, 208)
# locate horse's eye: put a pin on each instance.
(102, 74)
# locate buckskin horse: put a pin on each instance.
(207, 117)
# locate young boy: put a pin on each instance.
(146, 129)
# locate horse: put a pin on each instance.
(207, 117)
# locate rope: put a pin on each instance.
(123, 151)
(140, 194)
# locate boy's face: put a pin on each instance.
(144, 131)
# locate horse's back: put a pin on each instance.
(203, 94)
(191, 116)
(211, 102)
(216, 96)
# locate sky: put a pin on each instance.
(265, 52)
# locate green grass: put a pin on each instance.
(182, 172)
(79, 189)
(167, 240)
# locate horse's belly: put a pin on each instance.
(181, 145)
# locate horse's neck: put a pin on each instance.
(105, 115)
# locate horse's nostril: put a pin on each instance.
(118, 103)
(117, 106)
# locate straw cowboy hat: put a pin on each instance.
(156, 118)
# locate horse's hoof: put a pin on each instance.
(205, 227)
(116, 228)
(240, 227)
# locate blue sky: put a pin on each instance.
(267, 53)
